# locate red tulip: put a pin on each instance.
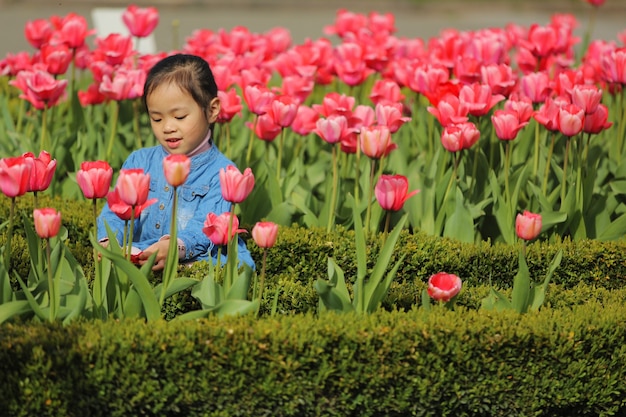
(230, 105)
(42, 170)
(257, 98)
(94, 179)
(283, 110)
(548, 114)
(587, 97)
(140, 21)
(115, 48)
(40, 88)
(461, 136)
(14, 176)
(265, 128)
(264, 234)
(507, 124)
(520, 104)
(57, 58)
(176, 169)
(500, 77)
(597, 121)
(536, 86)
(298, 86)
(235, 185)
(349, 63)
(133, 186)
(335, 104)
(386, 91)
(528, 225)
(392, 191)
(123, 210)
(375, 141)
(216, 227)
(332, 128)
(125, 84)
(38, 32)
(596, 3)
(92, 96)
(74, 30)
(305, 121)
(478, 98)
(443, 286)
(449, 110)
(614, 65)
(47, 222)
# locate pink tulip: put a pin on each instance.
(536, 86)
(123, 210)
(47, 222)
(449, 110)
(335, 104)
(74, 30)
(14, 176)
(443, 286)
(283, 110)
(332, 129)
(528, 225)
(375, 141)
(115, 48)
(507, 124)
(614, 65)
(386, 91)
(500, 77)
(133, 186)
(94, 178)
(258, 98)
(390, 115)
(176, 169)
(57, 58)
(125, 84)
(478, 98)
(392, 191)
(216, 227)
(305, 121)
(571, 120)
(265, 128)
(140, 21)
(40, 88)
(548, 114)
(235, 185)
(264, 234)
(596, 3)
(349, 63)
(42, 170)
(461, 136)
(520, 104)
(587, 97)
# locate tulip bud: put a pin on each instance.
(235, 185)
(528, 225)
(443, 286)
(94, 178)
(176, 169)
(264, 234)
(47, 222)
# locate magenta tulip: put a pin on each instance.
(216, 227)
(14, 176)
(140, 21)
(392, 191)
(42, 170)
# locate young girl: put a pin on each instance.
(180, 96)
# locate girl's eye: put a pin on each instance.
(180, 117)
(156, 120)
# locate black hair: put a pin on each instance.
(189, 72)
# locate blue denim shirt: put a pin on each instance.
(200, 195)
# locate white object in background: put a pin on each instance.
(108, 20)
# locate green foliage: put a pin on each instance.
(555, 362)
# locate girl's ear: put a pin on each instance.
(214, 110)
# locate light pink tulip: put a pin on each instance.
(47, 222)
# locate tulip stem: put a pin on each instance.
(564, 180)
(113, 129)
(546, 172)
(44, 127)
(368, 213)
(98, 289)
(357, 174)
(171, 260)
(333, 197)
(280, 154)
(507, 162)
(621, 113)
(536, 158)
(51, 287)
(262, 280)
(7, 247)
(251, 140)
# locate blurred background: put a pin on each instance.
(306, 18)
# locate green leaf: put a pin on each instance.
(14, 309)
(521, 286)
(334, 293)
(460, 225)
(383, 287)
(208, 292)
(426, 300)
(615, 230)
(539, 292)
(241, 285)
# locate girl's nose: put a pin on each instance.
(168, 127)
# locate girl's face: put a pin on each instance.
(178, 123)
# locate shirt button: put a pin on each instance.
(167, 188)
(161, 206)
(158, 226)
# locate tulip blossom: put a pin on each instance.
(507, 124)
(349, 63)
(390, 115)
(47, 222)
(536, 86)
(94, 178)
(500, 78)
(332, 129)
(57, 58)
(386, 91)
(133, 186)
(443, 286)
(283, 110)
(528, 225)
(115, 48)
(216, 227)
(305, 121)
(392, 191)
(14, 176)
(335, 104)
(520, 104)
(264, 234)
(449, 110)
(460, 136)
(125, 84)
(596, 3)
(123, 210)
(176, 169)
(257, 98)
(38, 32)
(478, 98)
(571, 120)
(230, 105)
(597, 121)
(548, 114)
(265, 128)
(235, 185)
(74, 31)
(40, 88)
(42, 170)
(587, 97)
(614, 65)
(375, 141)
(140, 21)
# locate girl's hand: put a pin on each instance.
(161, 247)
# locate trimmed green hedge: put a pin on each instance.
(300, 257)
(557, 362)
